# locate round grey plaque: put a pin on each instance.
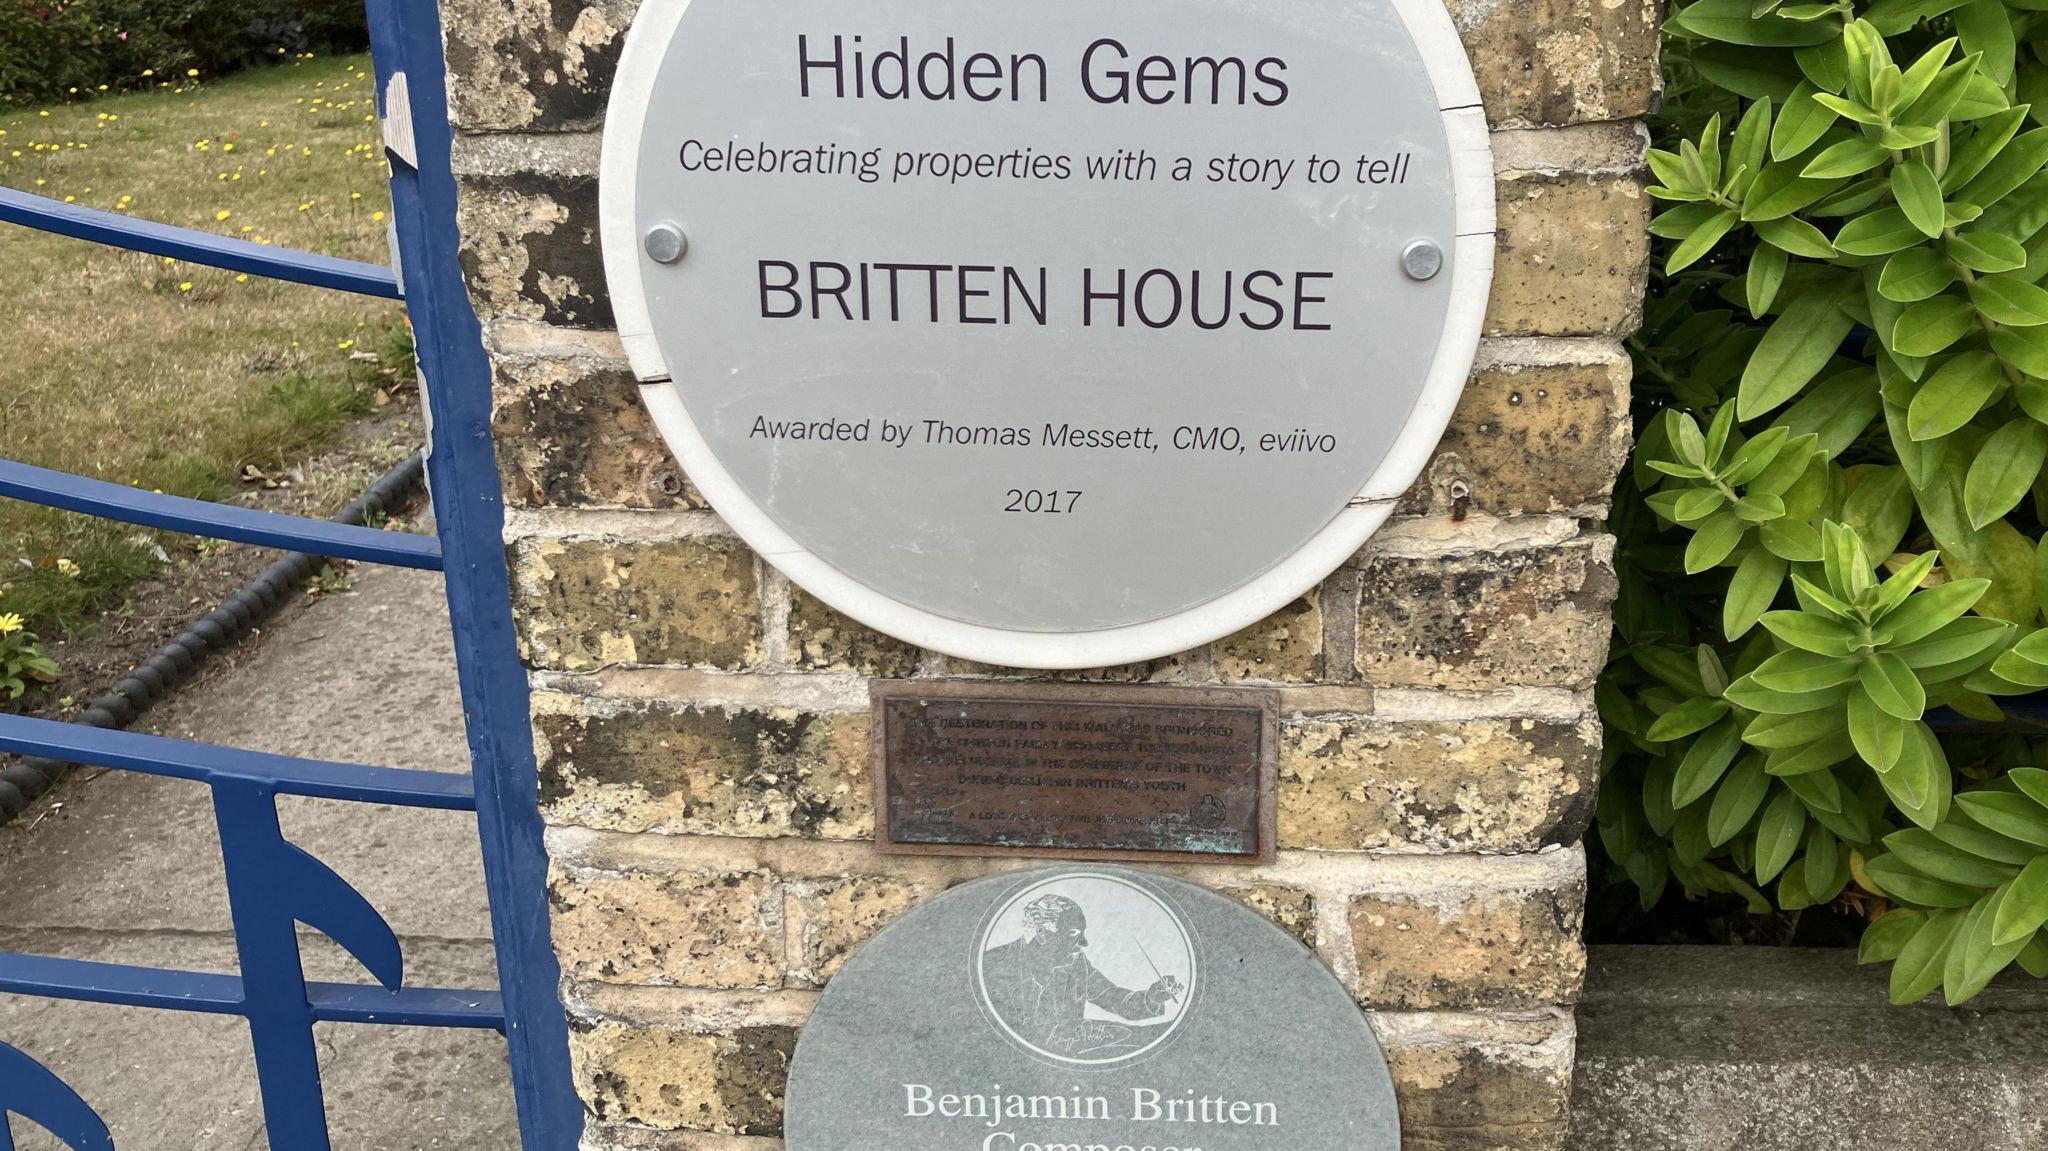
(1049, 334)
(1087, 1006)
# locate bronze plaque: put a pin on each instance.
(1075, 771)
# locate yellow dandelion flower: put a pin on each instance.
(67, 568)
(149, 71)
(242, 278)
(71, 199)
(191, 71)
(186, 286)
(10, 623)
(377, 217)
(345, 345)
(355, 195)
(227, 147)
(44, 113)
(221, 215)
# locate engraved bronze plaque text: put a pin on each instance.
(1077, 771)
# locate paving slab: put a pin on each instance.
(127, 870)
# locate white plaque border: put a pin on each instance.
(1469, 263)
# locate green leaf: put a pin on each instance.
(1729, 22)
(1983, 956)
(1751, 75)
(2025, 907)
(1801, 123)
(1704, 762)
(1685, 719)
(1892, 686)
(1737, 799)
(1755, 456)
(2031, 781)
(1879, 507)
(2005, 469)
(1919, 194)
(1851, 109)
(1825, 66)
(1791, 540)
(1798, 345)
(1935, 859)
(1984, 27)
(1962, 832)
(1878, 233)
(1696, 504)
(1987, 251)
(1746, 151)
(1851, 157)
(2014, 165)
(1930, 326)
(1909, 276)
(1801, 671)
(1879, 737)
(1953, 394)
(1809, 632)
(1754, 586)
(1983, 146)
(1961, 641)
(2026, 348)
(1943, 92)
(1778, 834)
(1702, 241)
(2011, 300)
(1797, 237)
(1893, 592)
(1907, 885)
(1779, 190)
(1671, 172)
(2033, 958)
(1766, 275)
(1681, 220)
(1919, 784)
(1815, 787)
(1918, 969)
(1885, 939)
(1713, 541)
(2006, 558)
(2014, 816)
(1835, 411)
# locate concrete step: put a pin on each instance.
(1792, 1049)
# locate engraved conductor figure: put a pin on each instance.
(1041, 984)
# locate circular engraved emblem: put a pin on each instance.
(1086, 968)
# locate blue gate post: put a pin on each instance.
(463, 477)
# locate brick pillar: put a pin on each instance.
(702, 725)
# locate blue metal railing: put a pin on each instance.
(273, 885)
(218, 521)
(83, 223)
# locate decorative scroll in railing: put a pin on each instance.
(273, 885)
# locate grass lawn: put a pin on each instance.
(174, 376)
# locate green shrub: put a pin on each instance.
(1831, 531)
(51, 48)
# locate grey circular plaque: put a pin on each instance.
(1052, 333)
(1087, 1006)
